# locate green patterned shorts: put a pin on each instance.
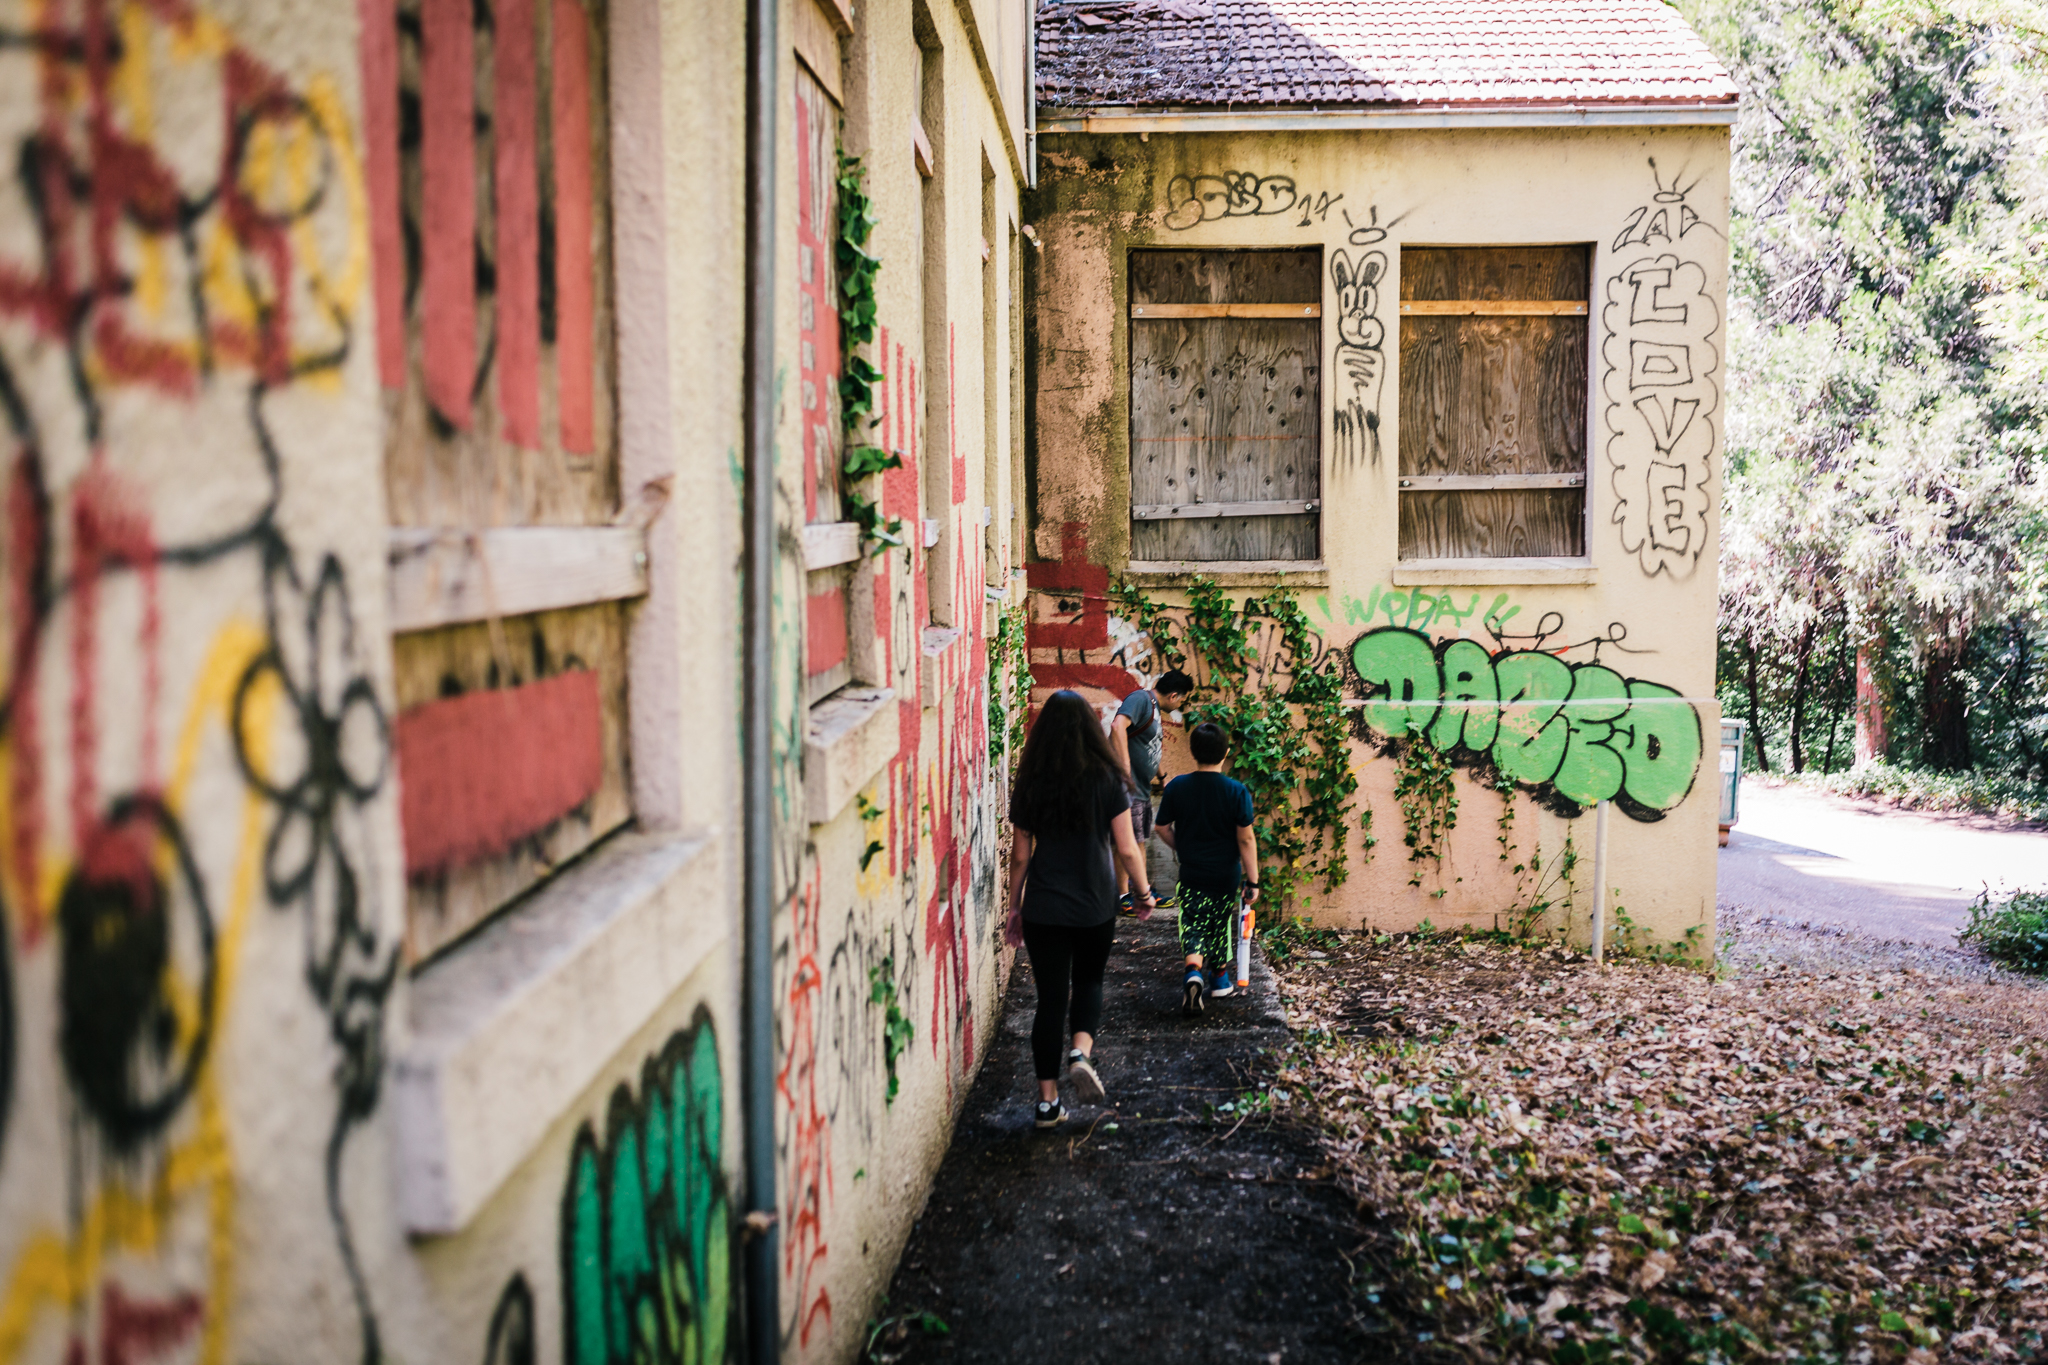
(1208, 925)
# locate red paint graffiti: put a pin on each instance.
(809, 1180)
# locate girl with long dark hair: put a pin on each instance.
(1070, 816)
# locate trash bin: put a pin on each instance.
(1731, 773)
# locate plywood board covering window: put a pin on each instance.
(1226, 397)
(490, 187)
(1493, 402)
(828, 590)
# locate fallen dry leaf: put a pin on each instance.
(1639, 1162)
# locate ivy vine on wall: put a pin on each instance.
(1009, 687)
(1289, 739)
(860, 382)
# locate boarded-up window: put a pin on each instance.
(487, 157)
(1493, 402)
(828, 589)
(1226, 392)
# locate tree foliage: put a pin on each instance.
(1888, 372)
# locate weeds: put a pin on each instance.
(2013, 931)
(1987, 793)
(1282, 940)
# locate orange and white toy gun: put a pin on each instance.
(1245, 920)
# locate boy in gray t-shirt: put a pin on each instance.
(1135, 737)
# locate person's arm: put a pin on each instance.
(1120, 741)
(1133, 859)
(1165, 833)
(1021, 844)
(1248, 857)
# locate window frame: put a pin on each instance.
(1305, 569)
(1526, 568)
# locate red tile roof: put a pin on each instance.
(1390, 53)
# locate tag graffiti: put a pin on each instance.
(1580, 732)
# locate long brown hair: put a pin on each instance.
(1065, 761)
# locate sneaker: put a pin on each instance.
(1087, 1085)
(1124, 905)
(1222, 985)
(1192, 994)
(1169, 901)
(1049, 1114)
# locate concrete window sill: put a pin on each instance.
(511, 1027)
(1229, 573)
(1486, 573)
(937, 640)
(852, 736)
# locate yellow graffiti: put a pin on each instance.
(60, 1272)
(280, 167)
(874, 879)
(138, 105)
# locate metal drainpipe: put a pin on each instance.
(1031, 95)
(757, 1061)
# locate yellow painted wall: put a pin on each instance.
(1643, 604)
(203, 1148)
(921, 909)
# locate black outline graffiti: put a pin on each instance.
(342, 948)
(114, 926)
(1662, 506)
(511, 1340)
(1361, 359)
(1239, 194)
(1652, 221)
(350, 966)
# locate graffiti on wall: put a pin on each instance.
(1241, 194)
(1658, 358)
(165, 304)
(927, 854)
(510, 1340)
(1452, 668)
(1579, 731)
(647, 1225)
(1361, 358)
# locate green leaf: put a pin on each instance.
(1632, 1225)
(1891, 1322)
(862, 461)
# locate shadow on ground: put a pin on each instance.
(1161, 1226)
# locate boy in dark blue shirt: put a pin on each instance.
(1206, 818)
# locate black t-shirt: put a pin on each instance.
(1071, 880)
(1206, 811)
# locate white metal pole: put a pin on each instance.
(1599, 880)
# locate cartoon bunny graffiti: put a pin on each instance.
(1360, 361)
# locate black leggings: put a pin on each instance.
(1058, 952)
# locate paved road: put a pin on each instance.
(1799, 856)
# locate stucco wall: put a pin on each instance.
(1643, 605)
(209, 1041)
(899, 885)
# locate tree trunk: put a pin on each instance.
(1827, 765)
(1799, 697)
(1873, 743)
(1947, 712)
(1756, 714)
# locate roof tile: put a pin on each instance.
(1372, 52)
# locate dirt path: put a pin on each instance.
(1162, 1226)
